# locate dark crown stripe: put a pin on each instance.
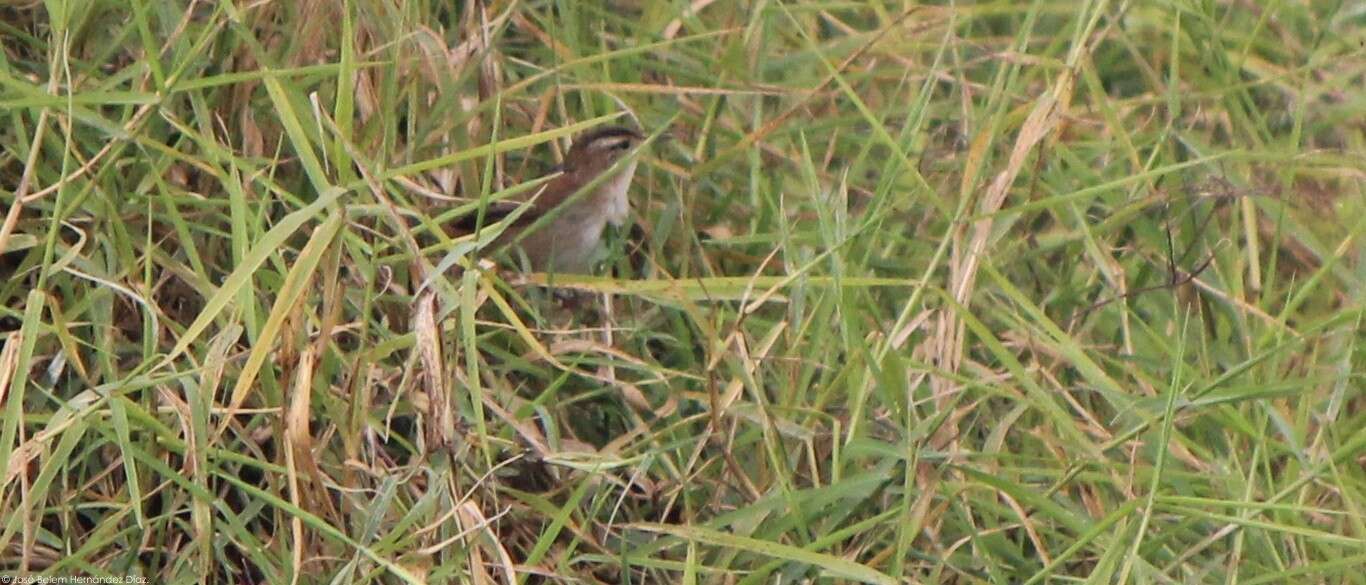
(608, 132)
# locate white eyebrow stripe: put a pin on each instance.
(611, 141)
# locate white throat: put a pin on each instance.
(616, 204)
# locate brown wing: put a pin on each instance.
(556, 192)
(495, 212)
(561, 188)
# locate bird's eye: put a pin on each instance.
(623, 145)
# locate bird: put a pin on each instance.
(562, 229)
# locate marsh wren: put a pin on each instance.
(567, 241)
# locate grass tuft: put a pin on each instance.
(1041, 292)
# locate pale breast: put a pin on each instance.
(568, 244)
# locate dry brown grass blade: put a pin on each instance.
(949, 328)
(25, 181)
(8, 358)
(298, 453)
(441, 432)
(472, 518)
